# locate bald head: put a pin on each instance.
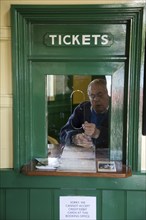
(97, 83)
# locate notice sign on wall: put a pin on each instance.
(77, 208)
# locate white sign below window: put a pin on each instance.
(77, 208)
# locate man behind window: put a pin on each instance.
(88, 124)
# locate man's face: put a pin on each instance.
(99, 98)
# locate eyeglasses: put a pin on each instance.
(95, 96)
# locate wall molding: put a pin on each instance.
(5, 101)
(5, 33)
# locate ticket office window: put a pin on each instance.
(77, 45)
(64, 93)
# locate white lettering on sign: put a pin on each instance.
(77, 208)
(67, 40)
(78, 40)
(86, 39)
(75, 40)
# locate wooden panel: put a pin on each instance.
(113, 205)
(39, 107)
(11, 179)
(2, 204)
(40, 199)
(40, 204)
(40, 44)
(136, 205)
(17, 204)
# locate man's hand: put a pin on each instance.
(91, 130)
(82, 140)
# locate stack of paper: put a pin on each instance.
(51, 163)
(77, 159)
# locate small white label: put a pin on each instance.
(77, 208)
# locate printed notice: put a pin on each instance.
(77, 208)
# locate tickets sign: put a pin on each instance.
(100, 39)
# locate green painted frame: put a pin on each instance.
(22, 16)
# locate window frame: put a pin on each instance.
(22, 17)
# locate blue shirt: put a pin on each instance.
(97, 118)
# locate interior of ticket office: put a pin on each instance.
(50, 53)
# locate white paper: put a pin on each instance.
(77, 208)
(51, 163)
(77, 165)
(46, 168)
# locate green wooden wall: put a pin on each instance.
(37, 198)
